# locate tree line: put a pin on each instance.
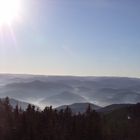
(50, 124)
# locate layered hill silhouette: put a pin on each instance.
(65, 90)
(22, 105)
(79, 107)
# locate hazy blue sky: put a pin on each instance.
(73, 37)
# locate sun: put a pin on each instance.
(9, 11)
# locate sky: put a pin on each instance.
(73, 37)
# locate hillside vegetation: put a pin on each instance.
(49, 124)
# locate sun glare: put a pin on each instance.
(9, 11)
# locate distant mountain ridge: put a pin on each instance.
(20, 104)
(59, 90)
(79, 107)
(110, 108)
(75, 107)
(66, 97)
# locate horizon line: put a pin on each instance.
(68, 75)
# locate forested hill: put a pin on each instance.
(49, 124)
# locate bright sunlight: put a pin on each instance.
(9, 11)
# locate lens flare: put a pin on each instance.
(9, 11)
